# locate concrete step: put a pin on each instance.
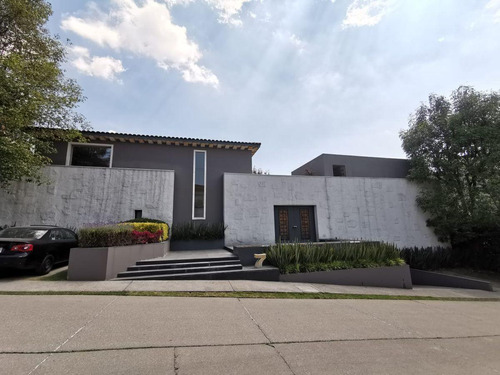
(243, 274)
(184, 260)
(160, 266)
(174, 271)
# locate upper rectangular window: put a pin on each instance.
(199, 184)
(90, 155)
(339, 170)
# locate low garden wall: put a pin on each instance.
(420, 277)
(104, 263)
(387, 277)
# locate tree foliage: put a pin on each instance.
(36, 100)
(454, 148)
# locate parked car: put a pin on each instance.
(35, 247)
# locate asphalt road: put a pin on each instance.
(168, 335)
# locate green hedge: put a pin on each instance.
(137, 231)
(300, 257)
(105, 236)
(197, 231)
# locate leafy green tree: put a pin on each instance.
(36, 101)
(454, 148)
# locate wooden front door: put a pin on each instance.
(294, 223)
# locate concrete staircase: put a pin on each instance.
(216, 264)
(183, 269)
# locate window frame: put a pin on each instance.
(205, 186)
(69, 153)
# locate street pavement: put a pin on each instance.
(81, 334)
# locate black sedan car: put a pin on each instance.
(35, 247)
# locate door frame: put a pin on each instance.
(293, 212)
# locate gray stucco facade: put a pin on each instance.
(79, 195)
(177, 156)
(376, 209)
(355, 166)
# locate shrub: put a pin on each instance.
(300, 257)
(123, 234)
(429, 258)
(198, 231)
(105, 236)
(151, 227)
(146, 236)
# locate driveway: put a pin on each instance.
(167, 335)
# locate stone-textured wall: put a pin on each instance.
(379, 209)
(83, 195)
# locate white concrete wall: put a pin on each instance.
(379, 209)
(83, 195)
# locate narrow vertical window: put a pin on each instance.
(199, 184)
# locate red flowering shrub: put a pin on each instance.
(142, 237)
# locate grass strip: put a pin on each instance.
(266, 295)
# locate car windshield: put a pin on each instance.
(23, 233)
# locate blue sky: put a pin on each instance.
(303, 77)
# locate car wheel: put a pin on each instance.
(46, 266)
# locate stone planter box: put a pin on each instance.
(388, 277)
(104, 263)
(197, 245)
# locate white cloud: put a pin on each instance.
(366, 12)
(494, 5)
(146, 31)
(291, 39)
(102, 67)
(229, 10)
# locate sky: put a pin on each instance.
(302, 77)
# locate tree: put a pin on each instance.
(36, 101)
(454, 149)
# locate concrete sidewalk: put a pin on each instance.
(30, 285)
(178, 335)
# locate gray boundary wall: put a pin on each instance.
(82, 195)
(377, 209)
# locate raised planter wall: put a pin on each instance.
(388, 277)
(104, 263)
(438, 279)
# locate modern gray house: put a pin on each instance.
(115, 177)
(199, 165)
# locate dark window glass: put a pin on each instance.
(199, 185)
(56, 234)
(92, 156)
(138, 214)
(68, 235)
(339, 170)
(22, 233)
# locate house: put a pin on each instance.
(117, 176)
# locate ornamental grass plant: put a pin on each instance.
(198, 231)
(308, 257)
